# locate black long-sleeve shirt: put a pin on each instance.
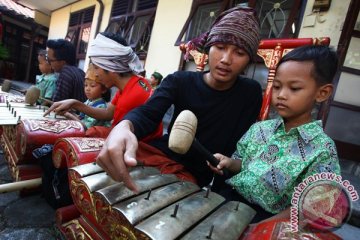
(70, 84)
(223, 116)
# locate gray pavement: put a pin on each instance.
(24, 218)
(30, 217)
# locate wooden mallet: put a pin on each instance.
(33, 94)
(182, 137)
(20, 185)
(6, 85)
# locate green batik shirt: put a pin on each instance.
(275, 161)
(47, 85)
(90, 121)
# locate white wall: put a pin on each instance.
(42, 18)
(58, 28)
(60, 19)
(170, 17)
(348, 88)
(333, 21)
(106, 14)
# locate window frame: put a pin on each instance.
(78, 29)
(194, 7)
(133, 14)
(295, 10)
(82, 55)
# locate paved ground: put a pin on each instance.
(24, 218)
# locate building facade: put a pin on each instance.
(155, 28)
(22, 33)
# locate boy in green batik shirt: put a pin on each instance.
(274, 156)
(46, 82)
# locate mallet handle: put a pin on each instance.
(20, 185)
(46, 100)
(209, 156)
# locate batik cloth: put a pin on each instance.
(238, 26)
(47, 85)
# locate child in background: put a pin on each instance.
(46, 82)
(274, 156)
(155, 81)
(98, 96)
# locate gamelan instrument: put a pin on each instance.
(11, 113)
(24, 129)
(9, 95)
(165, 208)
(6, 85)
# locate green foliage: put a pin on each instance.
(4, 53)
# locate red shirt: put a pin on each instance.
(135, 93)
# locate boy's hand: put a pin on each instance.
(224, 163)
(60, 108)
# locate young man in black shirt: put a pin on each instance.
(225, 104)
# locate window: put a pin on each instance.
(79, 31)
(341, 115)
(203, 13)
(278, 18)
(134, 21)
(20, 41)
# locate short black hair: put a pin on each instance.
(324, 59)
(157, 76)
(116, 37)
(63, 50)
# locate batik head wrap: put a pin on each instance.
(112, 56)
(238, 26)
(91, 74)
